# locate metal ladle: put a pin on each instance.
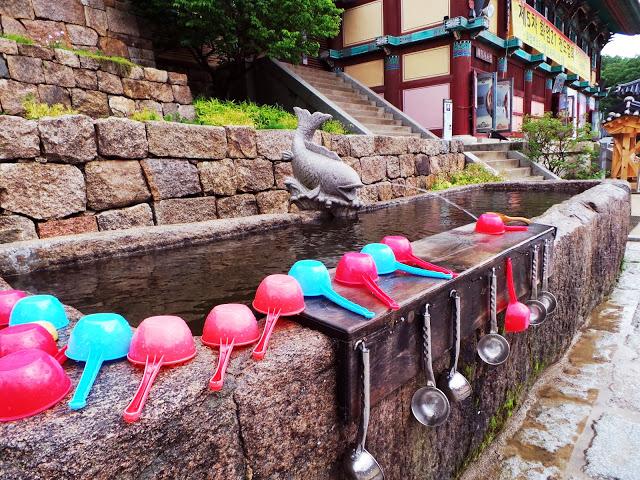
(455, 386)
(537, 308)
(429, 404)
(493, 348)
(360, 464)
(547, 298)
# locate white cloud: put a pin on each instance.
(623, 46)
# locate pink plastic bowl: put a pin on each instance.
(230, 321)
(164, 336)
(31, 381)
(8, 299)
(353, 267)
(26, 336)
(279, 293)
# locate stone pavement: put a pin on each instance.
(582, 418)
(635, 217)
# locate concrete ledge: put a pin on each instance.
(277, 418)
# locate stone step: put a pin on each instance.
(356, 109)
(491, 155)
(518, 172)
(330, 86)
(308, 72)
(389, 130)
(533, 178)
(502, 164)
(376, 120)
(351, 96)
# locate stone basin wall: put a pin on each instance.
(277, 419)
(97, 88)
(72, 174)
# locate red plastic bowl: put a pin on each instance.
(403, 251)
(8, 299)
(31, 381)
(230, 321)
(353, 266)
(164, 336)
(279, 293)
(492, 224)
(26, 336)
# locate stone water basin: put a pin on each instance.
(278, 419)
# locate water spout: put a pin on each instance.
(439, 196)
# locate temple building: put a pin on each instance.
(497, 60)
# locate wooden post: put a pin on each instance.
(624, 131)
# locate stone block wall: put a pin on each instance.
(107, 25)
(72, 174)
(95, 88)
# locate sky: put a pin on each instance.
(623, 46)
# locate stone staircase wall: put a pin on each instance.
(98, 88)
(72, 174)
(108, 25)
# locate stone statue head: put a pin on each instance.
(308, 123)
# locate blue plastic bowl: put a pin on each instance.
(39, 307)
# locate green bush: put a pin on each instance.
(35, 110)
(211, 111)
(124, 64)
(17, 38)
(556, 144)
(146, 115)
(472, 174)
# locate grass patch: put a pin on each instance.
(124, 64)
(211, 111)
(18, 38)
(146, 115)
(472, 174)
(35, 110)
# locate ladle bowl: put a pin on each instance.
(386, 262)
(315, 281)
(31, 381)
(8, 299)
(518, 314)
(429, 404)
(39, 307)
(492, 224)
(226, 326)
(456, 387)
(277, 295)
(547, 298)
(28, 336)
(160, 340)
(96, 338)
(359, 269)
(537, 310)
(403, 251)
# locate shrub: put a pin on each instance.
(17, 38)
(553, 142)
(35, 110)
(472, 174)
(146, 115)
(334, 126)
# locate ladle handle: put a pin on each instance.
(515, 228)
(344, 303)
(512, 289)
(134, 410)
(456, 297)
(426, 347)
(546, 257)
(217, 380)
(429, 266)
(366, 398)
(534, 273)
(379, 293)
(493, 301)
(89, 374)
(422, 272)
(261, 348)
(61, 356)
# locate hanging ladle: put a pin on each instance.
(493, 348)
(429, 405)
(538, 312)
(455, 385)
(360, 464)
(547, 298)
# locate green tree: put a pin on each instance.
(229, 35)
(617, 70)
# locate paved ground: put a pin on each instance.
(635, 216)
(582, 419)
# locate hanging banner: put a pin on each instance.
(504, 102)
(485, 94)
(536, 31)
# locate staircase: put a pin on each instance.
(356, 101)
(513, 165)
